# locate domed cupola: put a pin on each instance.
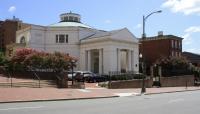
(70, 20)
(70, 17)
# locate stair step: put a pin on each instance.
(33, 84)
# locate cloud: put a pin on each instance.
(191, 41)
(138, 26)
(187, 39)
(193, 29)
(107, 21)
(12, 9)
(188, 34)
(194, 50)
(183, 6)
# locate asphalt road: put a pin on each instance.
(169, 103)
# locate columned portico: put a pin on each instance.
(89, 60)
(118, 59)
(125, 60)
(100, 61)
(129, 60)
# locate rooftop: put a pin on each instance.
(69, 24)
(160, 37)
(70, 20)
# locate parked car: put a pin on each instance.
(70, 75)
(86, 76)
(92, 77)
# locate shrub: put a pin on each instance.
(174, 66)
(27, 58)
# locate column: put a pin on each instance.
(118, 60)
(89, 60)
(129, 60)
(132, 61)
(100, 61)
(85, 60)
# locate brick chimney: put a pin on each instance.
(160, 33)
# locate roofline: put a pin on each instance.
(70, 13)
(105, 40)
(161, 37)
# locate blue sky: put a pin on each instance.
(179, 17)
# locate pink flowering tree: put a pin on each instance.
(27, 58)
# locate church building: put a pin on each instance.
(98, 51)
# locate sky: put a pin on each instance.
(179, 17)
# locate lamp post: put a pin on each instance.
(144, 21)
(72, 68)
(143, 90)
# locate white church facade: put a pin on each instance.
(97, 50)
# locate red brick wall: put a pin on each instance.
(157, 48)
(8, 30)
(177, 81)
(154, 49)
(130, 84)
(165, 82)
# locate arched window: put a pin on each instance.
(22, 40)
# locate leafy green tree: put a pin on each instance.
(174, 65)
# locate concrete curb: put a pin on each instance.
(41, 100)
(171, 91)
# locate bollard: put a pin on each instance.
(186, 85)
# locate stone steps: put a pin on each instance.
(30, 84)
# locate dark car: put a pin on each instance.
(92, 77)
(86, 76)
(70, 75)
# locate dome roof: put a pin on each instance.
(69, 24)
(70, 20)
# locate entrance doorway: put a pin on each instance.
(124, 61)
(95, 61)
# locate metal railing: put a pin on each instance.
(7, 73)
(128, 75)
(11, 82)
(38, 78)
(58, 80)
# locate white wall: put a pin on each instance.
(44, 38)
(37, 38)
(110, 54)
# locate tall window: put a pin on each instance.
(70, 18)
(172, 53)
(172, 43)
(61, 38)
(179, 44)
(175, 42)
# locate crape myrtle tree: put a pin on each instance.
(174, 65)
(27, 59)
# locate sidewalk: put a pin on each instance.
(40, 94)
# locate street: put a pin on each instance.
(168, 103)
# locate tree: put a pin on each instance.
(174, 65)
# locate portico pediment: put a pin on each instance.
(122, 35)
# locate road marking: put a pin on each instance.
(175, 100)
(126, 94)
(19, 108)
(84, 90)
(94, 88)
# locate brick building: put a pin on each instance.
(8, 30)
(153, 48)
(193, 58)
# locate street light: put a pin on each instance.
(144, 20)
(143, 90)
(72, 69)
